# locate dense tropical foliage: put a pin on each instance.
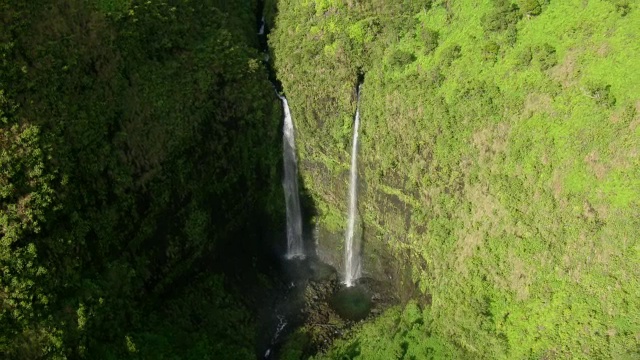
(141, 205)
(500, 164)
(139, 138)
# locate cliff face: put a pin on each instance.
(498, 160)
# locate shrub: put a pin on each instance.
(602, 94)
(435, 77)
(622, 6)
(546, 56)
(503, 16)
(490, 51)
(530, 7)
(511, 36)
(430, 39)
(525, 57)
(401, 58)
(450, 54)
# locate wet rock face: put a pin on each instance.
(376, 259)
(329, 248)
(322, 324)
(326, 224)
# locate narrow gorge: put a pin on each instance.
(329, 179)
(312, 296)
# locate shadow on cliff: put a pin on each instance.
(309, 212)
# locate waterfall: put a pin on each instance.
(261, 31)
(352, 244)
(290, 184)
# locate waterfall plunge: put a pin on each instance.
(352, 266)
(295, 248)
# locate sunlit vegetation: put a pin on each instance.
(500, 158)
(499, 165)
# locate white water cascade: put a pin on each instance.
(295, 248)
(261, 31)
(352, 266)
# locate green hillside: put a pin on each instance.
(142, 211)
(500, 166)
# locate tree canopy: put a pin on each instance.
(138, 139)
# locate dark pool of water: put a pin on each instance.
(352, 303)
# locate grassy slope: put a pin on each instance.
(510, 178)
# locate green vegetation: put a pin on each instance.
(138, 140)
(500, 162)
(396, 334)
(499, 159)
